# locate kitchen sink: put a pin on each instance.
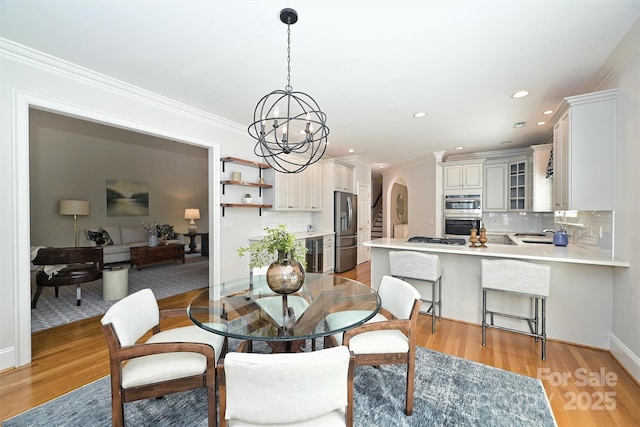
(544, 242)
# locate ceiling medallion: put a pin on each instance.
(289, 126)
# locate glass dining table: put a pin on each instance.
(246, 309)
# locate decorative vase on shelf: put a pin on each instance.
(153, 241)
(247, 198)
(286, 275)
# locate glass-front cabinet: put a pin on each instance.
(517, 186)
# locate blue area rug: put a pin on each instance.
(164, 280)
(449, 391)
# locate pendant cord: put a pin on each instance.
(289, 88)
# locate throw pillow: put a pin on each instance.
(165, 232)
(101, 237)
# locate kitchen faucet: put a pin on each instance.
(547, 230)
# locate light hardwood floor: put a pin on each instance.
(586, 387)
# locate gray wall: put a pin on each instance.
(72, 159)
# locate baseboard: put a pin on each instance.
(7, 358)
(629, 361)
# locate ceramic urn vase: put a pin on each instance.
(286, 275)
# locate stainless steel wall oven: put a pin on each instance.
(460, 226)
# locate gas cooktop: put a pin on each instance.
(437, 240)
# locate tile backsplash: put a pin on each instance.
(518, 222)
(296, 222)
(587, 229)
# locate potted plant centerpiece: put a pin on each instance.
(283, 254)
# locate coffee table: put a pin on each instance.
(145, 255)
(248, 310)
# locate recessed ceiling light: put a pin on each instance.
(520, 94)
(459, 148)
(548, 112)
(381, 167)
(519, 124)
(419, 114)
(541, 123)
(351, 150)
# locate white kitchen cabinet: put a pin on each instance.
(343, 178)
(297, 191)
(463, 175)
(495, 187)
(517, 185)
(539, 187)
(311, 188)
(328, 253)
(286, 193)
(584, 137)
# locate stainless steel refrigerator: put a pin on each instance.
(345, 225)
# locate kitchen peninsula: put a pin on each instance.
(579, 307)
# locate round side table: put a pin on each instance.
(115, 283)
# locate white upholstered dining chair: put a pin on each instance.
(390, 336)
(169, 361)
(287, 389)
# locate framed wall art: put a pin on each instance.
(127, 198)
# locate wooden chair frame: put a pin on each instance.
(119, 354)
(408, 327)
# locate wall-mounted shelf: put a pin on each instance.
(258, 165)
(245, 184)
(260, 185)
(244, 205)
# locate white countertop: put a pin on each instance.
(540, 252)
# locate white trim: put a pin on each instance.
(43, 61)
(625, 357)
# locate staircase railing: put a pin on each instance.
(376, 208)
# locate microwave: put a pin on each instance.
(463, 205)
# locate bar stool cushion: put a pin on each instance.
(516, 276)
(415, 265)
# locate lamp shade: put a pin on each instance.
(192, 214)
(74, 207)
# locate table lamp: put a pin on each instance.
(192, 214)
(75, 208)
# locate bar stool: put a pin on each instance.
(424, 267)
(517, 278)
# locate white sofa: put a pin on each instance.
(123, 238)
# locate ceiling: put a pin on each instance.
(370, 65)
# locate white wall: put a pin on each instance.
(622, 71)
(423, 194)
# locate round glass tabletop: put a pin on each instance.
(247, 309)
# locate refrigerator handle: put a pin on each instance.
(349, 212)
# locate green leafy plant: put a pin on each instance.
(264, 251)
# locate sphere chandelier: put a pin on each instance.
(289, 126)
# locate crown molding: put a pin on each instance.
(40, 60)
